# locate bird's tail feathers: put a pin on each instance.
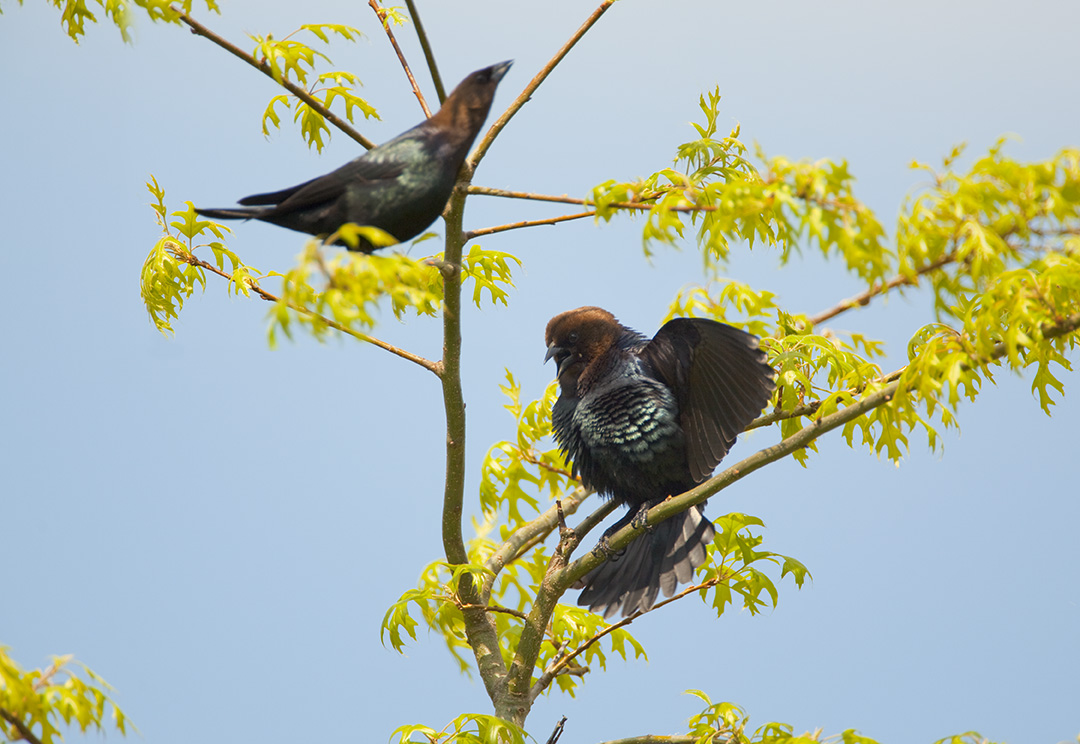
(657, 561)
(233, 213)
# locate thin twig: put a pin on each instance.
(661, 739)
(808, 409)
(434, 367)
(440, 91)
(646, 204)
(552, 671)
(264, 67)
(22, 728)
(48, 674)
(557, 732)
(488, 191)
(863, 298)
(492, 608)
(526, 94)
(588, 524)
(528, 535)
(390, 34)
(527, 223)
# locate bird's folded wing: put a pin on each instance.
(359, 173)
(720, 379)
(274, 197)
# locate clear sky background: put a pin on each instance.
(218, 528)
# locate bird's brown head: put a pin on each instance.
(466, 108)
(577, 337)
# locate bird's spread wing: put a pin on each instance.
(721, 382)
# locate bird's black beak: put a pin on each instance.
(497, 71)
(561, 355)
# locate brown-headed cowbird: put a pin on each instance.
(643, 420)
(401, 186)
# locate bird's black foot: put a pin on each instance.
(641, 517)
(603, 547)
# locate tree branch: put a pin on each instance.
(527, 535)
(390, 34)
(588, 524)
(182, 254)
(533, 632)
(479, 627)
(527, 223)
(200, 30)
(440, 91)
(521, 100)
(22, 728)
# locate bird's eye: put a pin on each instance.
(573, 337)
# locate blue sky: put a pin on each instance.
(218, 528)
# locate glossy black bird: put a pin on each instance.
(401, 186)
(643, 420)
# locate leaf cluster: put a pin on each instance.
(290, 60)
(998, 215)
(354, 285)
(468, 728)
(715, 188)
(40, 701)
(728, 723)
(75, 14)
(170, 271)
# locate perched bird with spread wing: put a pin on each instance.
(642, 420)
